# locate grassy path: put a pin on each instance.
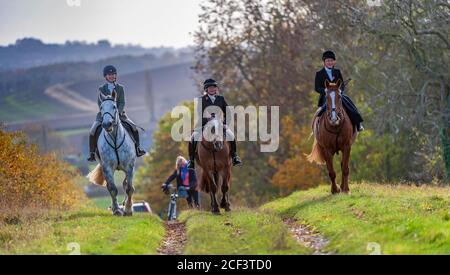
(374, 218)
(243, 231)
(87, 231)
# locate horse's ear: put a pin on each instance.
(114, 95)
(327, 83)
(339, 83)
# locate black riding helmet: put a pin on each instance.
(328, 54)
(209, 82)
(110, 69)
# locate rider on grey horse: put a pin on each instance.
(110, 74)
(212, 98)
(332, 74)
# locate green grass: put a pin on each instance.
(240, 232)
(401, 219)
(72, 132)
(96, 231)
(19, 107)
(105, 202)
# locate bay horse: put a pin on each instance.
(214, 164)
(333, 132)
(116, 151)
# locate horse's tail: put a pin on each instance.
(96, 176)
(316, 154)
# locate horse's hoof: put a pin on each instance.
(335, 192)
(128, 214)
(215, 211)
(227, 209)
(118, 213)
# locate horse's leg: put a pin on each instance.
(345, 169)
(129, 190)
(109, 177)
(224, 189)
(190, 198)
(331, 172)
(225, 203)
(124, 185)
(214, 205)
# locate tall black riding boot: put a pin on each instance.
(192, 145)
(236, 159)
(92, 143)
(139, 151)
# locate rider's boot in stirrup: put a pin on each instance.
(235, 158)
(91, 148)
(360, 127)
(139, 151)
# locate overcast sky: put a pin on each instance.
(145, 22)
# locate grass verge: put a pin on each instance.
(243, 231)
(397, 219)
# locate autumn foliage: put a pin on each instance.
(30, 181)
(295, 172)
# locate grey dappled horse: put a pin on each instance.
(116, 152)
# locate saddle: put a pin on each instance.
(318, 115)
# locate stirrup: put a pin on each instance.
(140, 152)
(237, 161)
(91, 157)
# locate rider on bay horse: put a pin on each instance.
(110, 74)
(212, 98)
(332, 74)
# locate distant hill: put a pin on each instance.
(22, 91)
(31, 52)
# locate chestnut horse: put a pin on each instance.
(214, 164)
(333, 132)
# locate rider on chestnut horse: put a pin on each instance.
(211, 98)
(332, 74)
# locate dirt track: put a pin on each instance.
(307, 237)
(174, 240)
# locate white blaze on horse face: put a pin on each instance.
(108, 112)
(217, 131)
(207, 113)
(333, 106)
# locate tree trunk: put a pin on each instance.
(445, 137)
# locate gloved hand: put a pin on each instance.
(165, 188)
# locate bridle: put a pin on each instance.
(116, 122)
(340, 116)
(114, 117)
(213, 151)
